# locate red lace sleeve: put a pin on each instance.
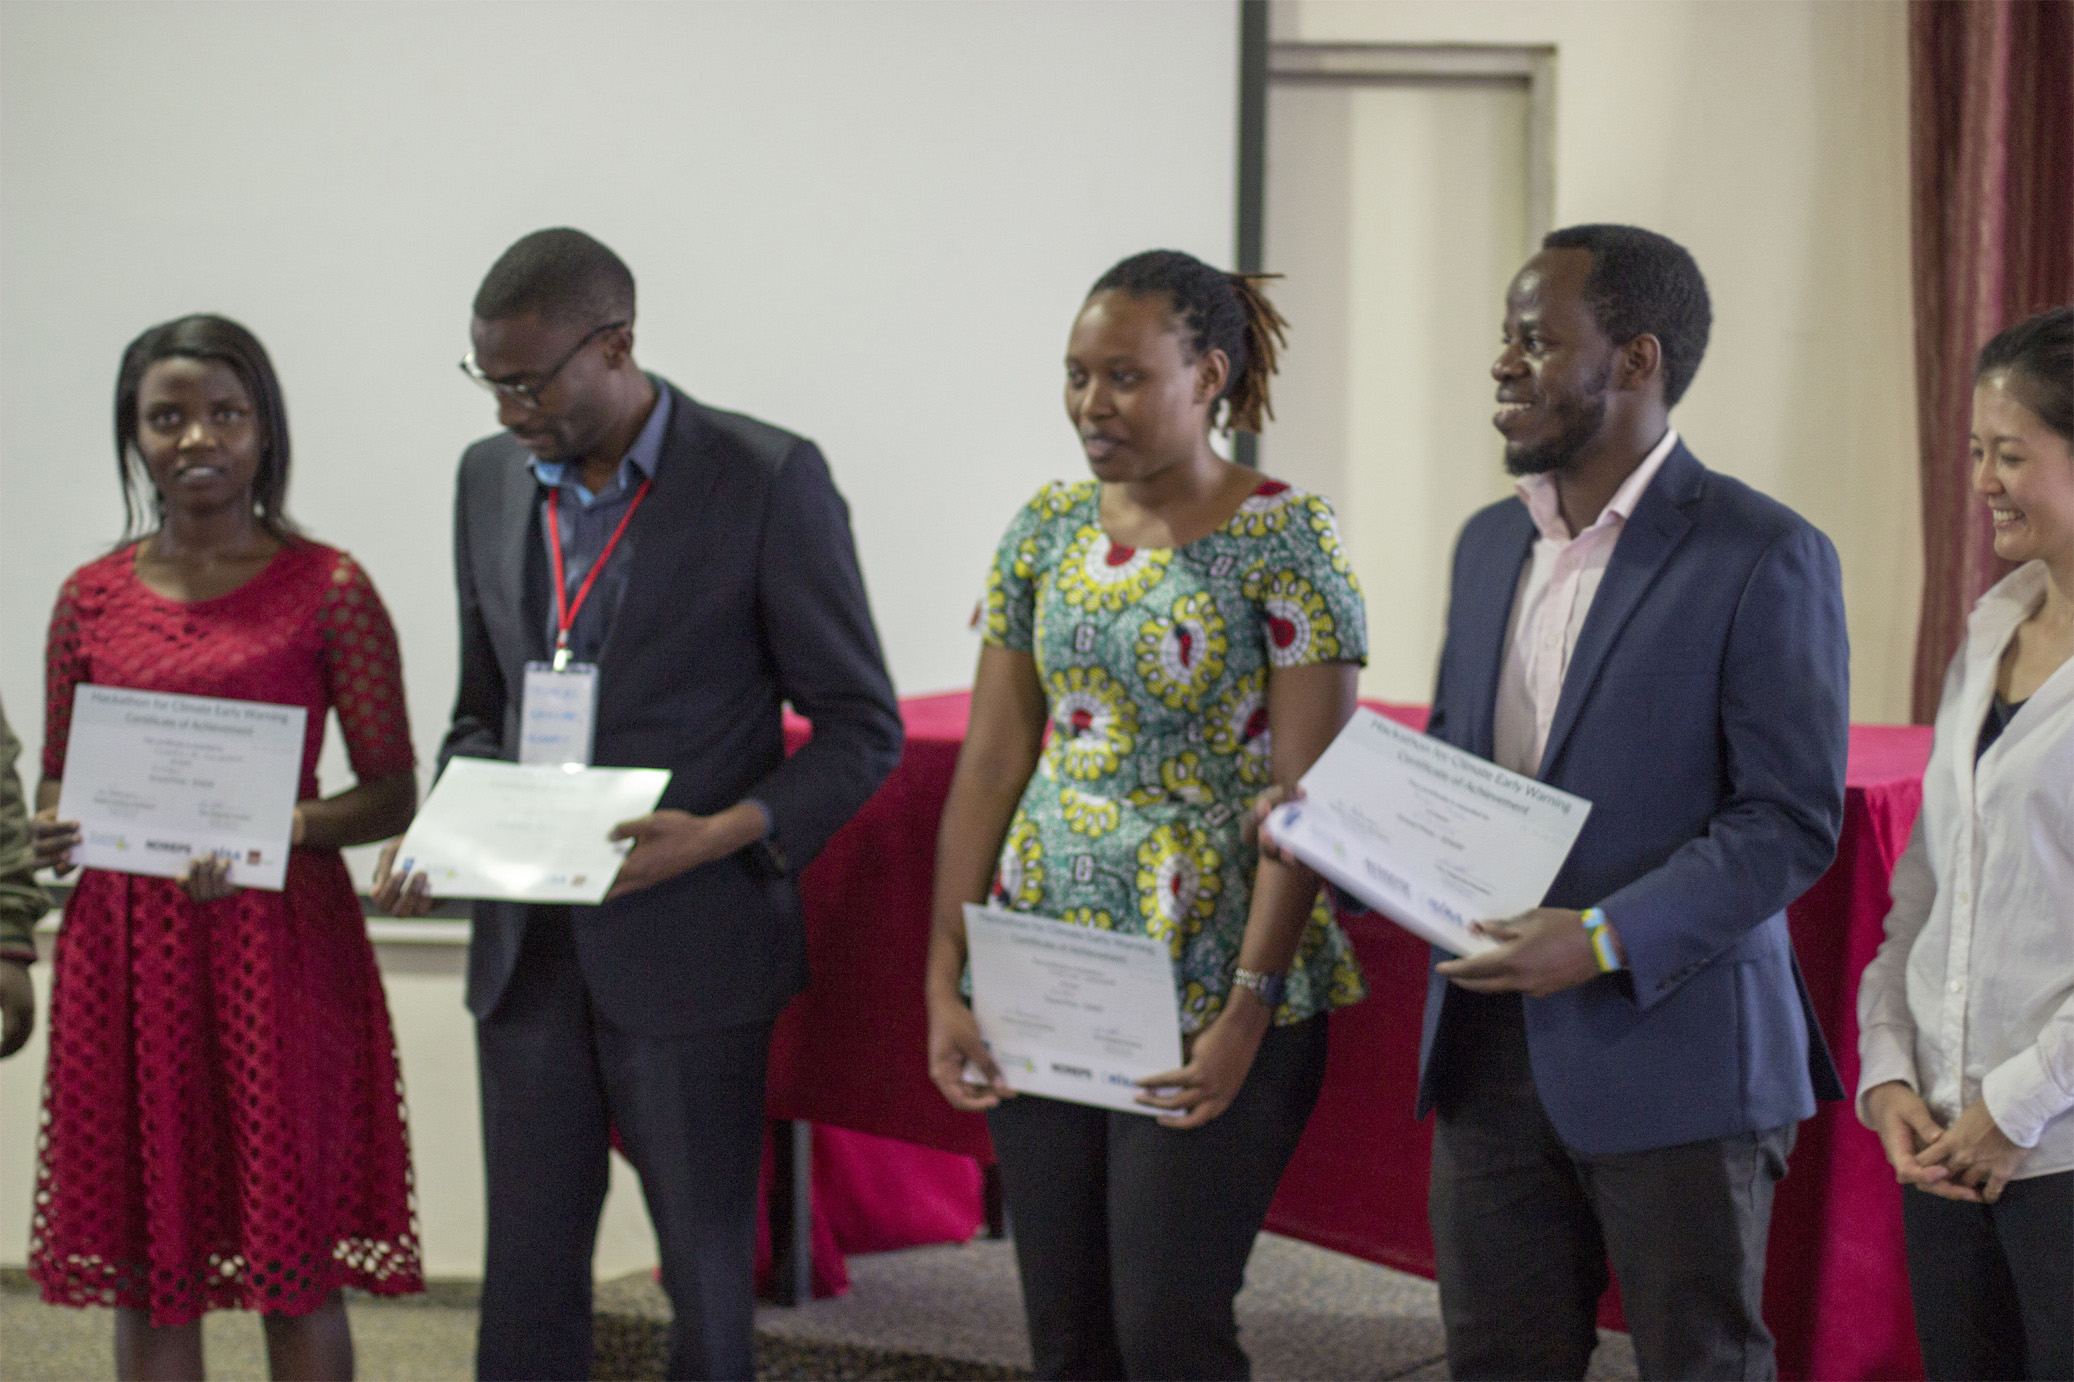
(363, 670)
(64, 667)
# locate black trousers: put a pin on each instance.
(1132, 1238)
(556, 1079)
(1523, 1226)
(1993, 1284)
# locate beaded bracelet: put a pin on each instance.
(1602, 940)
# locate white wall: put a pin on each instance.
(1398, 213)
(869, 222)
(1772, 140)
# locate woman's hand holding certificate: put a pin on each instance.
(1070, 1011)
(172, 786)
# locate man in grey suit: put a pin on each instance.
(706, 577)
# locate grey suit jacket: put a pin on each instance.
(743, 593)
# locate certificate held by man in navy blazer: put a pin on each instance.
(1622, 1076)
(685, 573)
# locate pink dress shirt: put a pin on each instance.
(1555, 593)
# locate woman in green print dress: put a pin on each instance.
(1190, 633)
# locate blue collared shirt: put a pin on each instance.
(587, 521)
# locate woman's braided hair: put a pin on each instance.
(1217, 311)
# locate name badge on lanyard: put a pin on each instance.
(558, 716)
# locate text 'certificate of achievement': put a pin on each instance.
(524, 833)
(1072, 1012)
(1430, 836)
(158, 780)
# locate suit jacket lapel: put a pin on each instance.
(504, 602)
(1486, 612)
(1646, 542)
(660, 539)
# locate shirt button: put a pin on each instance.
(1958, 986)
(1965, 897)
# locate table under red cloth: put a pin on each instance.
(850, 1053)
(894, 1166)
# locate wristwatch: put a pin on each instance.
(1268, 988)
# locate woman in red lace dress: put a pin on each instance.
(224, 1120)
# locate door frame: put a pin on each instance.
(1263, 61)
(1528, 67)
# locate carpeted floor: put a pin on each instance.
(951, 1312)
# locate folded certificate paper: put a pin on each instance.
(158, 780)
(1432, 837)
(526, 833)
(1072, 1012)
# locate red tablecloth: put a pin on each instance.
(849, 1053)
(852, 1050)
(894, 1165)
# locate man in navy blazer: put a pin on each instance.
(1623, 1074)
(707, 578)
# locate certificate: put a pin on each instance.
(1072, 1012)
(526, 833)
(1430, 836)
(157, 780)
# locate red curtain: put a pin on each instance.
(1991, 94)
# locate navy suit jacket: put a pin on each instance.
(1705, 715)
(743, 593)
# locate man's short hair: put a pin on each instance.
(1645, 284)
(562, 274)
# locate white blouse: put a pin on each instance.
(1972, 992)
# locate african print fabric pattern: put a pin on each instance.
(1155, 664)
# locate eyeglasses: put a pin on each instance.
(528, 394)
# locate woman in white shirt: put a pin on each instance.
(1966, 1015)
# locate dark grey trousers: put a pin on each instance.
(1132, 1238)
(1993, 1284)
(1523, 1227)
(556, 1079)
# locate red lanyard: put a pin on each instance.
(565, 608)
